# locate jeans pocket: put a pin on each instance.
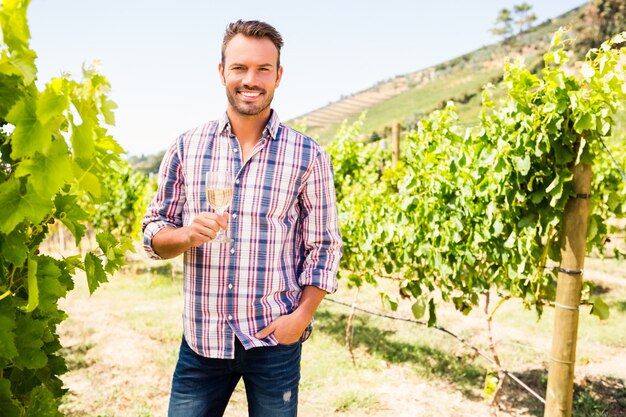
(289, 345)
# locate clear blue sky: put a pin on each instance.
(161, 57)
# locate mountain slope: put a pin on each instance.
(406, 98)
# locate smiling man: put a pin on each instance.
(248, 304)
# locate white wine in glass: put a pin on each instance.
(219, 194)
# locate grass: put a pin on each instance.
(394, 360)
(421, 100)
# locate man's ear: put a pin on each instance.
(220, 69)
(279, 76)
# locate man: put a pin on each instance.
(249, 304)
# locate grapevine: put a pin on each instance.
(55, 153)
(467, 211)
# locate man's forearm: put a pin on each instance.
(170, 242)
(309, 302)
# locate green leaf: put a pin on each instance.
(94, 271)
(9, 90)
(522, 164)
(8, 406)
(614, 200)
(88, 181)
(592, 229)
(13, 16)
(107, 111)
(51, 104)
(7, 327)
(83, 137)
(25, 62)
(587, 71)
(491, 383)
(28, 335)
(33, 286)
(388, 302)
(71, 215)
(29, 136)
(585, 121)
(600, 308)
(14, 247)
(48, 172)
(419, 308)
(42, 403)
(17, 205)
(50, 287)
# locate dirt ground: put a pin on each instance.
(117, 369)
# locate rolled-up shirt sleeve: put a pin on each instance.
(166, 207)
(320, 231)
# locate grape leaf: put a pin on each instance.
(16, 205)
(50, 105)
(600, 308)
(83, 137)
(9, 91)
(29, 135)
(13, 15)
(107, 111)
(25, 62)
(14, 247)
(71, 215)
(94, 271)
(7, 326)
(8, 405)
(418, 308)
(42, 403)
(88, 181)
(48, 172)
(28, 335)
(50, 288)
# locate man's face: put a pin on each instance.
(250, 74)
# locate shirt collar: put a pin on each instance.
(271, 128)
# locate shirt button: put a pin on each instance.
(230, 286)
(234, 215)
(230, 317)
(235, 150)
(237, 181)
(232, 250)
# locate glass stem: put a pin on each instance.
(220, 233)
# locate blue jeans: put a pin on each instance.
(201, 386)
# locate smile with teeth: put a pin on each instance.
(250, 94)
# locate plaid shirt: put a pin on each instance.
(283, 220)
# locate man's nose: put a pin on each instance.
(249, 78)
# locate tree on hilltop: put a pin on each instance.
(520, 16)
(504, 24)
(525, 18)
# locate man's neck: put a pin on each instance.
(248, 129)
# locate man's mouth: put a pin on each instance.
(250, 94)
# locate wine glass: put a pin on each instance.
(219, 194)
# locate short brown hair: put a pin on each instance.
(252, 29)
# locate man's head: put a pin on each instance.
(252, 29)
(250, 67)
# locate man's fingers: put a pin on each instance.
(212, 220)
(265, 332)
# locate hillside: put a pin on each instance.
(407, 97)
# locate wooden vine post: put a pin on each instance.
(395, 143)
(559, 395)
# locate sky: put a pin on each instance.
(161, 57)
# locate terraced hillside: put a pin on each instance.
(406, 98)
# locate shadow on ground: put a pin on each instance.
(593, 397)
(427, 360)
